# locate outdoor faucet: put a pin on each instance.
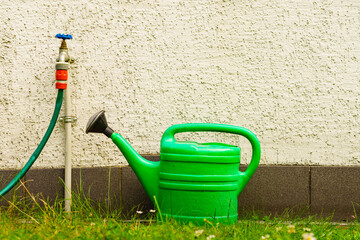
(63, 61)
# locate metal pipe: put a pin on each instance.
(68, 151)
(62, 66)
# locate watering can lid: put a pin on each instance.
(195, 148)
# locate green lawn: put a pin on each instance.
(96, 228)
(41, 221)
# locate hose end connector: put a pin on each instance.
(61, 77)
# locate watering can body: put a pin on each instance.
(200, 181)
(193, 181)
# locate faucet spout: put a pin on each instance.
(63, 55)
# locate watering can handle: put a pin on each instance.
(169, 135)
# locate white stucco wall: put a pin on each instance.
(287, 70)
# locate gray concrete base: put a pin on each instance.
(275, 189)
(16, 193)
(299, 190)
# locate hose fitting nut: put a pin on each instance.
(62, 66)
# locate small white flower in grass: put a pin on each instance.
(92, 224)
(308, 236)
(267, 236)
(291, 229)
(307, 229)
(278, 229)
(198, 232)
(152, 210)
(139, 212)
(210, 237)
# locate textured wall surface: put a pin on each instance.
(287, 70)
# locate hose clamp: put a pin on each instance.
(71, 119)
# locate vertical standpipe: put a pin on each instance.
(62, 66)
(67, 152)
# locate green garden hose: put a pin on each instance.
(38, 150)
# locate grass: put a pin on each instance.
(34, 218)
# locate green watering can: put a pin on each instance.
(192, 181)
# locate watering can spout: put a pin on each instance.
(146, 171)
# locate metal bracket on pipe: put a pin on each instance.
(68, 119)
(71, 60)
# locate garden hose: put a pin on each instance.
(38, 150)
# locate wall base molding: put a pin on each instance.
(309, 190)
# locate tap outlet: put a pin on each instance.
(62, 62)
